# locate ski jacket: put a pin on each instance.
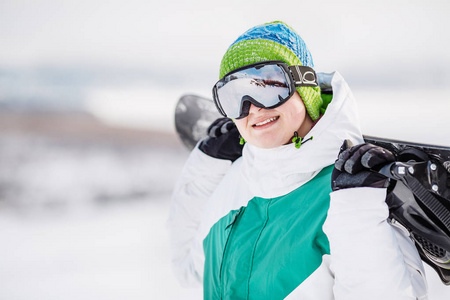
(268, 226)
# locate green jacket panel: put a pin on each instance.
(267, 249)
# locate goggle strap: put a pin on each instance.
(304, 76)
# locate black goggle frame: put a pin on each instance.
(299, 76)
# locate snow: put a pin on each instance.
(84, 220)
(113, 253)
(130, 106)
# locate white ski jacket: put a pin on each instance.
(368, 257)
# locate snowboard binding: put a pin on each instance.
(419, 199)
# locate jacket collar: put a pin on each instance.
(275, 172)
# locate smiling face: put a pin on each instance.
(270, 128)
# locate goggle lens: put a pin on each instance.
(266, 86)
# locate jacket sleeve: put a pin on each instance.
(199, 178)
(370, 258)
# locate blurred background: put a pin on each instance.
(88, 150)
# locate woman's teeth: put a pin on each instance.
(266, 121)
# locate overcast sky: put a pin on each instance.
(344, 35)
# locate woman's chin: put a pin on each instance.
(268, 143)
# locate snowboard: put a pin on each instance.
(419, 190)
(193, 115)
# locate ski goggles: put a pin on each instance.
(266, 85)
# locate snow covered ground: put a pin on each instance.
(84, 218)
(118, 252)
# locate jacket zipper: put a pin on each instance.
(236, 216)
(256, 244)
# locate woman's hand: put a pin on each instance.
(356, 166)
(223, 140)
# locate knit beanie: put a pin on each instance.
(274, 41)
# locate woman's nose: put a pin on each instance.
(254, 109)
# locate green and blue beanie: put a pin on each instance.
(274, 41)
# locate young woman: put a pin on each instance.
(275, 218)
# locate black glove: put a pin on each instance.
(353, 166)
(223, 140)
